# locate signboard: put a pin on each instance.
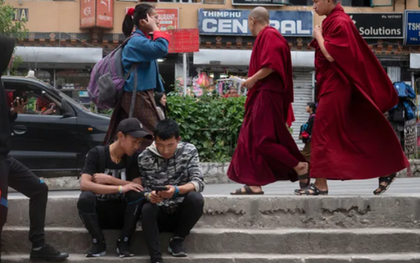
(379, 25)
(168, 18)
(21, 14)
(410, 137)
(184, 40)
(96, 13)
(412, 27)
(105, 14)
(235, 22)
(87, 14)
(260, 2)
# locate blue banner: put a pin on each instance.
(235, 22)
(412, 27)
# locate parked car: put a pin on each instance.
(54, 133)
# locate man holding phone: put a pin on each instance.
(18, 176)
(172, 181)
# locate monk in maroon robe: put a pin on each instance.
(266, 151)
(352, 139)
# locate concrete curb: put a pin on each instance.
(262, 212)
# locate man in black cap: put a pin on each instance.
(18, 176)
(110, 199)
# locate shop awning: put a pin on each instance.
(232, 57)
(59, 57)
(414, 61)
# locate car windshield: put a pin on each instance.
(66, 97)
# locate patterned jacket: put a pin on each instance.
(181, 169)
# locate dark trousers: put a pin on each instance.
(20, 178)
(110, 214)
(154, 220)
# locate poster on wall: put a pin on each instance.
(105, 14)
(87, 14)
(168, 18)
(235, 22)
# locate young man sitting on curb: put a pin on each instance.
(175, 165)
(109, 199)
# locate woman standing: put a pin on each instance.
(141, 51)
(162, 108)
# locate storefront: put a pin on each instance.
(64, 68)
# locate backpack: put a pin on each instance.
(404, 90)
(107, 80)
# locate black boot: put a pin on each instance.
(92, 225)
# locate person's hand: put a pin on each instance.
(300, 137)
(249, 83)
(318, 31)
(20, 108)
(168, 193)
(132, 187)
(155, 198)
(151, 23)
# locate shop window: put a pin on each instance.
(358, 3)
(300, 2)
(379, 3)
(217, 2)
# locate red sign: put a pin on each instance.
(87, 14)
(184, 40)
(105, 14)
(96, 13)
(168, 18)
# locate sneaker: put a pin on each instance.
(98, 249)
(123, 249)
(48, 253)
(176, 247)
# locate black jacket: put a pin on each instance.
(7, 46)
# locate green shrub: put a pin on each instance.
(211, 123)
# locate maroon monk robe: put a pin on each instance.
(351, 138)
(266, 151)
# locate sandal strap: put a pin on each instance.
(314, 189)
(248, 189)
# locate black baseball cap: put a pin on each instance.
(133, 127)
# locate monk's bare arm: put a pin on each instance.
(324, 51)
(262, 73)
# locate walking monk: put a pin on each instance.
(266, 151)
(351, 137)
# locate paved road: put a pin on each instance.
(401, 187)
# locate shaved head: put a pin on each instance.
(261, 15)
